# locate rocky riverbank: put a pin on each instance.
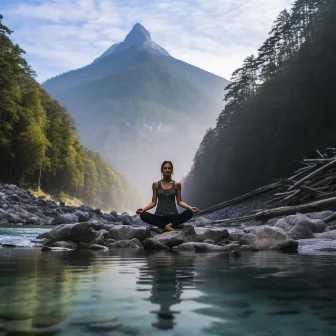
(22, 207)
(89, 228)
(287, 234)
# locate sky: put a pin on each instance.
(215, 35)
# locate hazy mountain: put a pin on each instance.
(137, 106)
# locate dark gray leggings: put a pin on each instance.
(162, 221)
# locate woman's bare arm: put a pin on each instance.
(179, 198)
(152, 204)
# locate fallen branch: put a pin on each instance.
(265, 215)
(324, 204)
(315, 172)
(238, 199)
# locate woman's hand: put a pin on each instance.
(140, 211)
(194, 209)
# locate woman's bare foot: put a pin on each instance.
(169, 227)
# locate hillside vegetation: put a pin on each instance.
(280, 108)
(39, 145)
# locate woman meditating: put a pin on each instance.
(165, 191)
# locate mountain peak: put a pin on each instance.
(138, 36)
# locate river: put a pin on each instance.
(162, 293)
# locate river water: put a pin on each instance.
(161, 293)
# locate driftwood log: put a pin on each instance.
(238, 199)
(311, 188)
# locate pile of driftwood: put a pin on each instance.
(316, 180)
(311, 188)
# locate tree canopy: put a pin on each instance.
(279, 108)
(39, 145)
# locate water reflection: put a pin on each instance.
(139, 293)
(167, 274)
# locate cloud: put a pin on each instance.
(216, 35)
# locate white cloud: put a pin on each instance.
(215, 35)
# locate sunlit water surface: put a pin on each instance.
(139, 293)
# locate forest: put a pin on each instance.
(39, 144)
(280, 108)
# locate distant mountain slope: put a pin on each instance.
(138, 106)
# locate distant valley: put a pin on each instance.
(138, 106)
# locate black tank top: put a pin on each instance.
(166, 200)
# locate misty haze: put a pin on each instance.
(139, 106)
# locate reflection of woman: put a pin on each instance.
(169, 274)
(165, 191)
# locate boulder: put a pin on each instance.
(100, 237)
(83, 232)
(153, 244)
(174, 238)
(300, 226)
(4, 222)
(65, 244)
(97, 247)
(137, 241)
(97, 211)
(128, 233)
(108, 217)
(67, 218)
(125, 218)
(317, 245)
(34, 220)
(211, 234)
(269, 238)
(55, 249)
(58, 233)
(236, 235)
(109, 241)
(124, 244)
(191, 234)
(13, 218)
(85, 208)
(82, 216)
(326, 235)
(320, 215)
(97, 225)
(330, 228)
(199, 247)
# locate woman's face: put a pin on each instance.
(167, 169)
